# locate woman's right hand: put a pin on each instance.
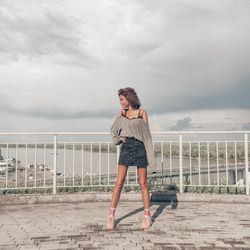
(123, 138)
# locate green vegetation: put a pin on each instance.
(155, 183)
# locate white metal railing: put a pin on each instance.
(175, 161)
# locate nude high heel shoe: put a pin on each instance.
(147, 220)
(111, 219)
(110, 222)
(146, 223)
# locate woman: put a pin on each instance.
(131, 129)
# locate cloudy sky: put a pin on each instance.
(62, 63)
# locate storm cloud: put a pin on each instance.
(32, 33)
(65, 60)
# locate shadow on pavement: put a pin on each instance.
(164, 199)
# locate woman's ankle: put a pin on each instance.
(147, 212)
(112, 210)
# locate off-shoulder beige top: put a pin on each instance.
(138, 128)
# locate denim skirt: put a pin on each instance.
(133, 153)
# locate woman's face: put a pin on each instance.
(123, 101)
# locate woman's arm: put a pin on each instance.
(115, 132)
(148, 142)
(145, 116)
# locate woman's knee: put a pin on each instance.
(143, 185)
(119, 183)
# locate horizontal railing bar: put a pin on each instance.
(110, 142)
(51, 187)
(107, 133)
(214, 185)
(60, 142)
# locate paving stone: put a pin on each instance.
(191, 225)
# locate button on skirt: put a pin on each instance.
(133, 153)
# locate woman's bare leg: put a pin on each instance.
(122, 172)
(142, 175)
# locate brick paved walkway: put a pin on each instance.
(189, 225)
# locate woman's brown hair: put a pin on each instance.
(131, 96)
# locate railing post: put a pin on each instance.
(161, 164)
(246, 164)
(55, 164)
(180, 163)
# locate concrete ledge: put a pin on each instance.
(131, 196)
